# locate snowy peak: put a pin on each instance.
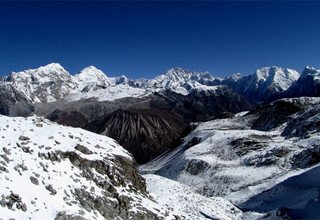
(182, 75)
(310, 71)
(91, 78)
(178, 74)
(308, 84)
(277, 78)
(119, 80)
(182, 81)
(266, 83)
(44, 84)
(52, 67)
(51, 70)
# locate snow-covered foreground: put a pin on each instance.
(48, 171)
(228, 158)
(188, 204)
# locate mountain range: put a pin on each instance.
(242, 146)
(53, 83)
(161, 107)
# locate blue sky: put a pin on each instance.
(143, 39)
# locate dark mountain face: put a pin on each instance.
(274, 114)
(13, 103)
(307, 85)
(204, 105)
(144, 133)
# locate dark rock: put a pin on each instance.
(243, 146)
(64, 216)
(6, 151)
(34, 180)
(13, 103)
(3, 169)
(275, 114)
(196, 167)
(305, 123)
(24, 138)
(51, 189)
(83, 149)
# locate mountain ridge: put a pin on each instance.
(53, 83)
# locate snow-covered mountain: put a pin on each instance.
(243, 156)
(48, 171)
(253, 159)
(91, 79)
(53, 83)
(182, 81)
(45, 84)
(307, 85)
(267, 83)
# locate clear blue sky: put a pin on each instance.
(143, 39)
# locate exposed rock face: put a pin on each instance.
(275, 114)
(304, 124)
(205, 105)
(69, 174)
(13, 103)
(144, 133)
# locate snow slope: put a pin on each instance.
(188, 204)
(228, 158)
(49, 171)
(296, 197)
(109, 93)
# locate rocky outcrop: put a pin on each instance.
(272, 115)
(69, 174)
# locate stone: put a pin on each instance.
(34, 180)
(24, 138)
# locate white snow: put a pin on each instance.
(110, 93)
(188, 204)
(26, 142)
(90, 77)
